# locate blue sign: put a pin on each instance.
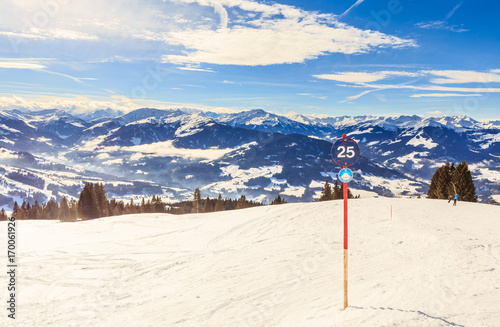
(345, 175)
(345, 152)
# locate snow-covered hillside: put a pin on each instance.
(432, 265)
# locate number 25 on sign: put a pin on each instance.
(345, 152)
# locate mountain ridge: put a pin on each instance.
(235, 153)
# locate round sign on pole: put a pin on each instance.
(345, 175)
(345, 152)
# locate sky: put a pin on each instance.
(342, 57)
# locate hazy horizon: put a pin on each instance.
(310, 57)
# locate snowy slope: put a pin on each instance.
(432, 265)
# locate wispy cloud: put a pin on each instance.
(50, 34)
(464, 76)
(357, 3)
(193, 85)
(76, 79)
(196, 69)
(436, 88)
(441, 25)
(20, 65)
(364, 77)
(357, 96)
(444, 95)
(437, 112)
(452, 12)
(366, 80)
(315, 96)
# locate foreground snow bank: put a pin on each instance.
(432, 265)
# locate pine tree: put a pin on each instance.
(432, 191)
(102, 201)
(158, 204)
(142, 207)
(337, 191)
(15, 210)
(197, 200)
(444, 182)
(242, 202)
(349, 193)
(3, 215)
(31, 214)
(278, 200)
(462, 179)
(153, 204)
(26, 210)
(326, 192)
(22, 212)
(88, 204)
(207, 207)
(50, 210)
(73, 209)
(64, 213)
(219, 206)
(440, 183)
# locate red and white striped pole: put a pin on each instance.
(345, 239)
(345, 152)
(345, 245)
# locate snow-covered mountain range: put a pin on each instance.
(51, 153)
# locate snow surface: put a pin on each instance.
(238, 177)
(400, 187)
(431, 265)
(419, 140)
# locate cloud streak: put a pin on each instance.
(444, 95)
(452, 12)
(363, 77)
(441, 25)
(357, 3)
(50, 34)
(20, 65)
(464, 76)
(437, 78)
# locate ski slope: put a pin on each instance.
(432, 265)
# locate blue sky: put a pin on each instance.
(344, 57)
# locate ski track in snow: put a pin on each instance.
(432, 265)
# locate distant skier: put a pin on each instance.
(449, 198)
(455, 201)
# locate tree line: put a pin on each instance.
(93, 203)
(337, 192)
(204, 205)
(447, 181)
